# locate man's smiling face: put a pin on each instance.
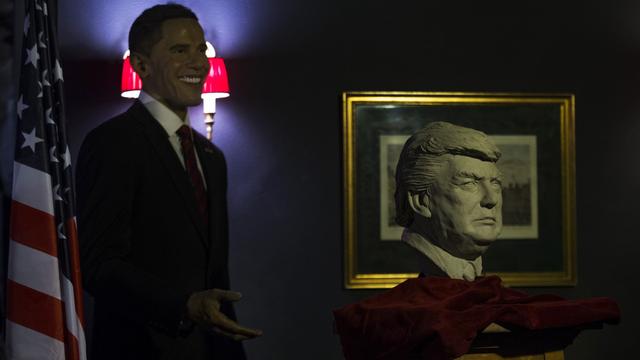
(467, 206)
(177, 66)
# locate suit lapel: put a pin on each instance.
(157, 136)
(209, 175)
(213, 169)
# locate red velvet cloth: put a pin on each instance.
(440, 317)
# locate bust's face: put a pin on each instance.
(178, 64)
(466, 204)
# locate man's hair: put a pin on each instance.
(422, 158)
(146, 30)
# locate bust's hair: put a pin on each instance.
(422, 158)
(146, 30)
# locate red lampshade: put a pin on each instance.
(131, 84)
(216, 85)
(217, 82)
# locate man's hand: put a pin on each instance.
(204, 308)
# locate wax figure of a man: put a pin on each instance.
(449, 198)
(153, 211)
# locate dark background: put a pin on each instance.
(288, 62)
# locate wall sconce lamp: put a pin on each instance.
(216, 86)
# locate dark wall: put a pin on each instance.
(281, 133)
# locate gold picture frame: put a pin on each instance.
(537, 128)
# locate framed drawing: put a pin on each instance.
(535, 133)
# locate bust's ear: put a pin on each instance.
(419, 203)
(140, 64)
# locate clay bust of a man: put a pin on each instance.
(449, 197)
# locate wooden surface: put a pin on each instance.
(492, 343)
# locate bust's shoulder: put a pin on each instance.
(120, 123)
(427, 267)
(122, 132)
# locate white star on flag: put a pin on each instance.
(58, 72)
(53, 153)
(40, 42)
(56, 193)
(27, 23)
(33, 56)
(48, 116)
(67, 158)
(60, 233)
(39, 89)
(30, 140)
(45, 78)
(20, 107)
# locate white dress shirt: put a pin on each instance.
(454, 267)
(170, 122)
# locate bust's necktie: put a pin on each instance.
(191, 165)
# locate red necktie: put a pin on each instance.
(191, 165)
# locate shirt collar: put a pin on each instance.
(168, 119)
(455, 268)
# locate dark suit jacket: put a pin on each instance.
(429, 268)
(144, 248)
(420, 262)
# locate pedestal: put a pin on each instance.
(497, 343)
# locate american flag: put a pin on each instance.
(44, 294)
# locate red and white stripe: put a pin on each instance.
(44, 312)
